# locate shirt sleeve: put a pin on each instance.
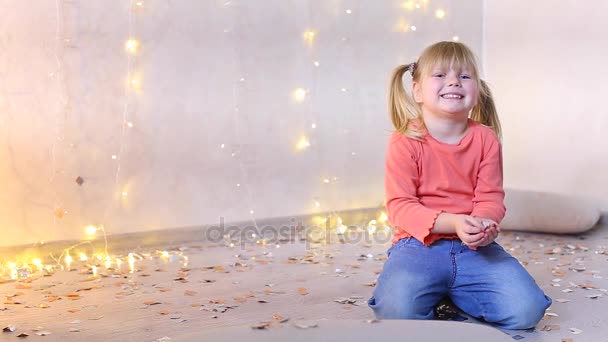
(404, 209)
(488, 200)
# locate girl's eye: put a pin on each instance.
(438, 75)
(466, 77)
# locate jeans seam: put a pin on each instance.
(454, 270)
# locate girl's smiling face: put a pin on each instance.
(447, 91)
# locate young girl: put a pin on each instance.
(445, 200)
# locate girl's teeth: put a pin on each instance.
(451, 96)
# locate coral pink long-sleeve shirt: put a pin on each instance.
(425, 178)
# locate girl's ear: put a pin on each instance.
(417, 92)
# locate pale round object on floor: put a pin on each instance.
(534, 211)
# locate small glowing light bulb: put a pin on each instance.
(139, 3)
(118, 263)
(383, 218)
(13, 267)
(326, 181)
(299, 94)
(132, 45)
(371, 226)
(130, 124)
(251, 212)
(316, 63)
(37, 262)
(417, 5)
(68, 261)
(99, 257)
(302, 144)
(348, 11)
(222, 145)
(309, 36)
(114, 157)
(125, 194)
(164, 254)
(131, 259)
(108, 263)
(94, 269)
(90, 230)
(313, 126)
(341, 228)
(455, 38)
(317, 204)
(83, 257)
(344, 90)
(413, 28)
(440, 13)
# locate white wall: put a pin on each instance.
(63, 104)
(546, 62)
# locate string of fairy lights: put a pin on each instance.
(304, 95)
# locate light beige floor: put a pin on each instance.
(226, 286)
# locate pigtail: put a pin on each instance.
(484, 111)
(401, 106)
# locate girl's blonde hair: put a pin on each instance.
(402, 107)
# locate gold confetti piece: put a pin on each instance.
(10, 328)
(95, 318)
(219, 269)
(43, 306)
(261, 325)
(73, 310)
(152, 302)
(53, 298)
(74, 330)
(550, 327)
(217, 301)
(190, 293)
(240, 299)
(165, 290)
(575, 331)
(302, 291)
(23, 287)
(75, 322)
(164, 312)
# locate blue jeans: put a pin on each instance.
(488, 284)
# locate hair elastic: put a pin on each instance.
(411, 68)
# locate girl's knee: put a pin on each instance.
(524, 314)
(387, 308)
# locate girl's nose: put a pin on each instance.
(453, 81)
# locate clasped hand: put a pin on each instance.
(476, 231)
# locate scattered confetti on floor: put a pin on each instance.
(266, 287)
